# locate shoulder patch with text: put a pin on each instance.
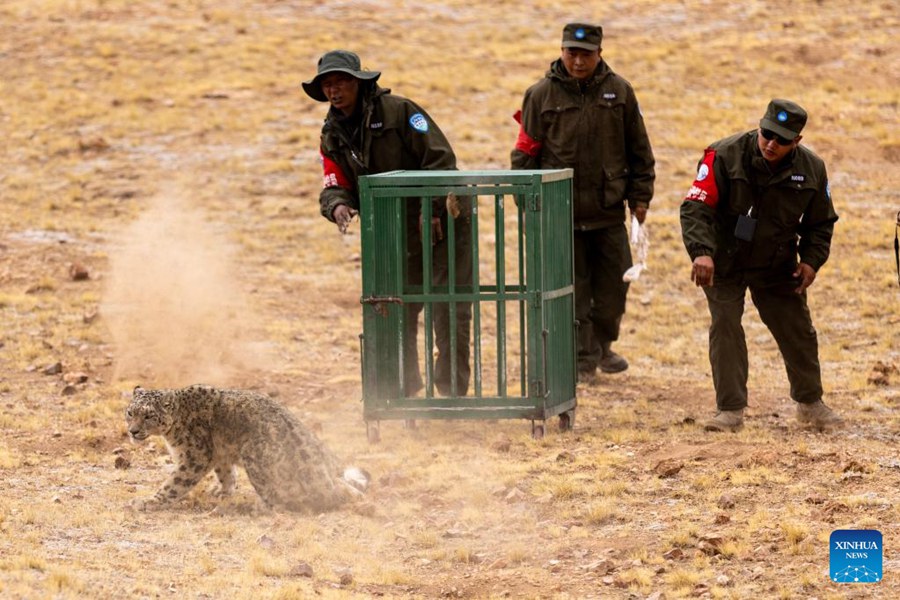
(704, 188)
(419, 123)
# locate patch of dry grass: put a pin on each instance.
(112, 104)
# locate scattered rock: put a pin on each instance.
(852, 465)
(68, 390)
(345, 575)
(726, 501)
(455, 534)
(814, 499)
(75, 377)
(122, 463)
(674, 554)
(301, 569)
(95, 144)
(601, 567)
(668, 468)
(711, 544)
(721, 519)
(79, 272)
(54, 369)
(833, 507)
(265, 541)
(881, 374)
(565, 456)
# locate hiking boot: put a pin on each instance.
(817, 415)
(612, 362)
(586, 375)
(726, 420)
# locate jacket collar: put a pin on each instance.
(558, 73)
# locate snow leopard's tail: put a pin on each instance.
(357, 478)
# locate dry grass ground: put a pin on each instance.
(167, 150)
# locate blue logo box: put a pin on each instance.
(856, 556)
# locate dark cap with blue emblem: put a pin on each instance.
(582, 35)
(784, 117)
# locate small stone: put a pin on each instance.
(565, 456)
(301, 569)
(726, 501)
(78, 272)
(266, 542)
(674, 554)
(54, 369)
(668, 468)
(75, 377)
(122, 463)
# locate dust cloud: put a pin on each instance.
(173, 300)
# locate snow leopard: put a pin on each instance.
(213, 429)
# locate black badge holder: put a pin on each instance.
(746, 227)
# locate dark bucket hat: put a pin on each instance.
(342, 61)
(784, 117)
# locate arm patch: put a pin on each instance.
(525, 143)
(704, 188)
(334, 176)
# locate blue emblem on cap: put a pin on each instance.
(782, 116)
(419, 123)
(579, 33)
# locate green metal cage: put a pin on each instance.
(521, 294)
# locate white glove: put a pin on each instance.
(640, 242)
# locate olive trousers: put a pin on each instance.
(786, 314)
(601, 257)
(453, 355)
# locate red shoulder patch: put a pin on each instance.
(704, 188)
(525, 143)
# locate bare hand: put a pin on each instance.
(640, 212)
(702, 271)
(343, 216)
(805, 275)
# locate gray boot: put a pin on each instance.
(611, 362)
(726, 420)
(818, 416)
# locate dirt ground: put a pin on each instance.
(159, 226)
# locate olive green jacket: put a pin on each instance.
(792, 207)
(596, 129)
(394, 134)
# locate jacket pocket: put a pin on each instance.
(615, 182)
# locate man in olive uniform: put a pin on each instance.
(367, 131)
(583, 116)
(759, 201)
